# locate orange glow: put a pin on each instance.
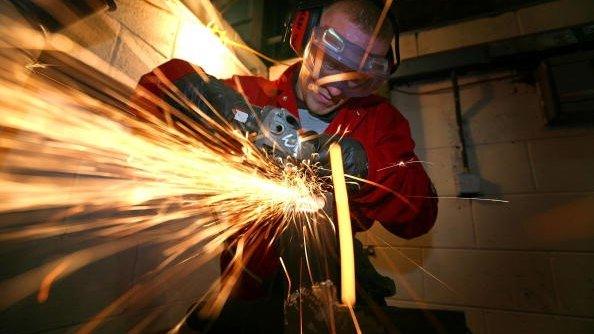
(165, 188)
(345, 234)
(47, 281)
(198, 44)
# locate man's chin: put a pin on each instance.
(321, 109)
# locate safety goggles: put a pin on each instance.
(334, 61)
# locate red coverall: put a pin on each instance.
(385, 135)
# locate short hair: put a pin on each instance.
(365, 14)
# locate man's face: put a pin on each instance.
(322, 100)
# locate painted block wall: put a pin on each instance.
(140, 35)
(520, 267)
(525, 21)
(523, 266)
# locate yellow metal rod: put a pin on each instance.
(345, 234)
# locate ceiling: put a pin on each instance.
(420, 14)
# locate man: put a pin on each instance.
(377, 143)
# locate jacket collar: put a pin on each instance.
(286, 89)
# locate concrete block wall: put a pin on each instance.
(525, 21)
(518, 267)
(126, 43)
(245, 17)
(140, 35)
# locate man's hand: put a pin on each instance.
(211, 96)
(354, 157)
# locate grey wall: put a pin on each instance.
(523, 266)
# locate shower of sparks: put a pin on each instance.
(70, 154)
(222, 35)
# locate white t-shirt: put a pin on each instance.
(311, 123)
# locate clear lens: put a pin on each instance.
(339, 56)
(377, 65)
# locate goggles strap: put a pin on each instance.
(376, 30)
(318, 60)
(340, 77)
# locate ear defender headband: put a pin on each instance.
(307, 16)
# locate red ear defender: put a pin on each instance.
(299, 28)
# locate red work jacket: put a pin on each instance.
(408, 210)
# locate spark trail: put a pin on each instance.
(70, 154)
